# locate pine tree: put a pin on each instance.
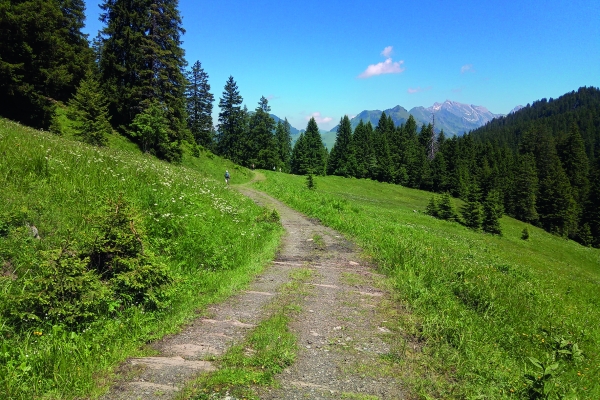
(439, 171)
(446, 208)
(472, 211)
(283, 144)
(142, 63)
(230, 129)
(524, 189)
(261, 142)
(298, 160)
(576, 165)
(384, 171)
(554, 202)
(363, 149)
(492, 212)
(199, 106)
(89, 109)
(341, 160)
(432, 207)
(414, 154)
(309, 155)
(43, 57)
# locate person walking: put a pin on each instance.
(227, 176)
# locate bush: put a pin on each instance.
(63, 289)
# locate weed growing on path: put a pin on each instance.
(267, 351)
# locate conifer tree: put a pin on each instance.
(309, 155)
(341, 160)
(283, 144)
(576, 165)
(414, 154)
(555, 203)
(446, 208)
(439, 173)
(89, 109)
(472, 211)
(43, 57)
(432, 207)
(298, 159)
(142, 63)
(230, 129)
(199, 106)
(384, 171)
(261, 142)
(363, 149)
(524, 189)
(492, 212)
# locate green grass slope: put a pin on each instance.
(129, 248)
(497, 317)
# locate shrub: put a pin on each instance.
(62, 289)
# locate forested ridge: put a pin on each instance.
(539, 164)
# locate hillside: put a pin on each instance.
(102, 250)
(581, 106)
(490, 313)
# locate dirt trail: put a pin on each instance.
(341, 333)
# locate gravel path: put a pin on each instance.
(340, 331)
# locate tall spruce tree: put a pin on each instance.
(43, 57)
(555, 204)
(230, 136)
(261, 148)
(524, 189)
(283, 144)
(341, 160)
(89, 109)
(492, 212)
(576, 165)
(298, 158)
(142, 63)
(309, 155)
(384, 170)
(199, 106)
(363, 150)
(413, 155)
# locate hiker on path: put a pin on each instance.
(227, 177)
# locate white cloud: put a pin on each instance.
(466, 68)
(387, 52)
(386, 67)
(318, 118)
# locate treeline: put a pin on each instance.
(542, 162)
(132, 79)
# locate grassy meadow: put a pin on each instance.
(185, 240)
(493, 316)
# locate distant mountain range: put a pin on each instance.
(453, 117)
(293, 130)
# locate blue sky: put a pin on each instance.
(331, 58)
